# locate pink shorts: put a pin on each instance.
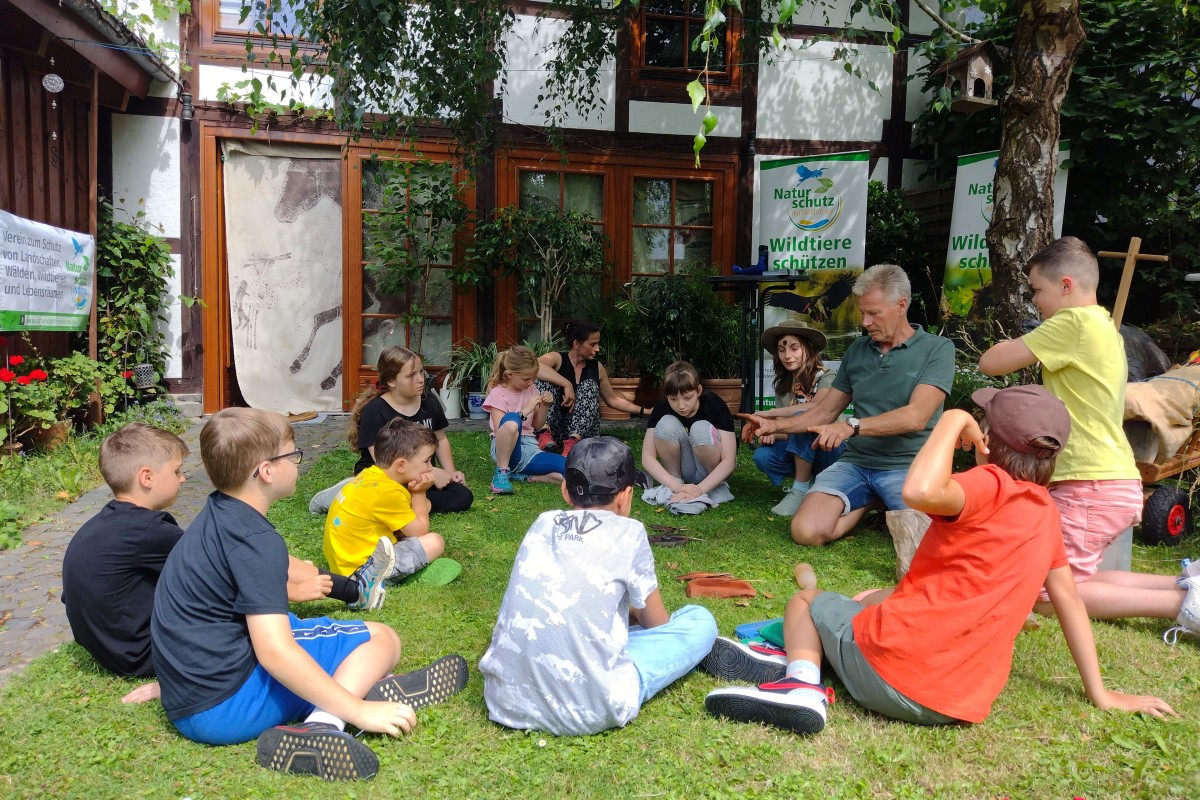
(1094, 513)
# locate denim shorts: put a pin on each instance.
(860, 486)
(263, 702)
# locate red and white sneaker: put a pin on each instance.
(545, 440)
(751, 663)
(790, 704)
(568, 443)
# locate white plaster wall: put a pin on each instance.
(807, 95)
(146, 176)
(918, 21)
(528, 52)
(835, 14)
(172, 328)
(880, 173)
(210, 77)
(146, 170)
(678, 118)
(915, 100)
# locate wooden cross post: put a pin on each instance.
(1131, 259)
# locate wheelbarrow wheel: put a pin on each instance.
(1167, 518)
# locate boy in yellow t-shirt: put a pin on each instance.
(1096, 484)
(382, 516)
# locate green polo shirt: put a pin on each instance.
(880, 382)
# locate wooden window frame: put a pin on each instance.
(232, 41)
(356, 375)
(620, 172)
(665, 83)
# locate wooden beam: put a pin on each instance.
(1132, 256)
(74, 32)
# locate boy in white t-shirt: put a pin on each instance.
(564, 657)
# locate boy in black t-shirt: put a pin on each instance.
(113, 562)
(235, 664)
(690, 447)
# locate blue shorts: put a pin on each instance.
(263, 702)
(860, 486)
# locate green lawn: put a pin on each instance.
(66, 734)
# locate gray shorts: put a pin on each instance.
(832, 614)
(410, 557)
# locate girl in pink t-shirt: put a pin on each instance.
(515, 408)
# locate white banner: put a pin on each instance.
(968, 268)
(46, 276)
(813, 219)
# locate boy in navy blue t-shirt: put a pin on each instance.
(234, 664)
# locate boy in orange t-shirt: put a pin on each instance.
(938, 648)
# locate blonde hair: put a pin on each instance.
(1067, 257)
(236, 440)
(680, 377)
(392, 362)
(515, 360)
(134, 446)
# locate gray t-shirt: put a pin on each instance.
(557, 661)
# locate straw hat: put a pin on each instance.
(794, 327)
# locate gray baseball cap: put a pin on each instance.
(601, 466)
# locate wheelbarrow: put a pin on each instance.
(1166, 512)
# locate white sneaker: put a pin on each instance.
(790, 704)
(370, 576)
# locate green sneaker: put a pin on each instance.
(501, 482)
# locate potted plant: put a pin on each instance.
(547, 251)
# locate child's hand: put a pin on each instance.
(440, 477)
(767, 440)
(546, 398)
(457, 477)
(972, 437)
(689, 491)
(143, 693)
(1143, 703)
(315, 587)
(421, 484)
(390, 718)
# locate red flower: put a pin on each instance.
(16, 361)
(7, 375)
(23, 380)
(39, 375)
(127, 374)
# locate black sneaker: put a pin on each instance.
(790, 704)
(427, 686)
(316, 748)
(752, 663)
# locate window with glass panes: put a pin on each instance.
(265, 17)
(555, 190)
(672, 225)
(419, 313)
(668, 28)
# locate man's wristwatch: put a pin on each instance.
(855, 424)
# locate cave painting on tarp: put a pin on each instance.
(283, 229)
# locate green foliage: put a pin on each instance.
(132, 270)
(414, 230)
(475, 360)
(1131, 118)
(681, 317)
(894, 234)
(143, 19)
(548, 251)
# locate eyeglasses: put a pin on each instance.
(296, 456)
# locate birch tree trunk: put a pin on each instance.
(1049, 37)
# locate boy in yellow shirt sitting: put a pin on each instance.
(378, 525)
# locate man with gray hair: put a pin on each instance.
(897, 377)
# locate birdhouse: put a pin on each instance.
(969, 77)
